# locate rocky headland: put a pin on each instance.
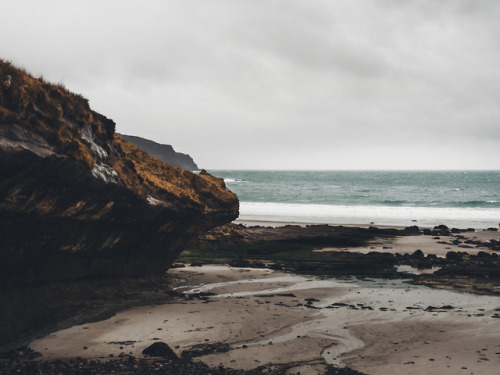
(165, 153)
(79, 202)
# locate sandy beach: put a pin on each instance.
(373, 326)
(265, 317)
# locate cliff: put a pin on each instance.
(78, 201)
(165, 153)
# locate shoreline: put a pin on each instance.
(382, 215)
(280, 223)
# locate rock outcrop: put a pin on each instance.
(266, 240)
(165, 153)
(78, 201)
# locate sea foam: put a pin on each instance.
(381, 215)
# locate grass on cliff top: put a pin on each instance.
(51, 111)
(59, 116)
(148, 175)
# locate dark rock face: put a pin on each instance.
(163, 152)
(78, 201)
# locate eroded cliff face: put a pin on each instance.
(78, 201)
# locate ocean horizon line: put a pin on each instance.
(351, 170)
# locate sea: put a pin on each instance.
(461, 199)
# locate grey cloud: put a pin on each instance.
(280, 84)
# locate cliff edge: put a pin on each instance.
(165, 153)
(78, 201)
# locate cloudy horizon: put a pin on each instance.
(271, 84)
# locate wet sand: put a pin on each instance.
(373, 326)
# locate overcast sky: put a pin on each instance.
(268, 84)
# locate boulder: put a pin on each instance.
(160, 349)
(418, 254)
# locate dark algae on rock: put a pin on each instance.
(77, 201)
(291, 248)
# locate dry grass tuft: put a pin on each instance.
(52, 111)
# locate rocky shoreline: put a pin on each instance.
(130, 365)
(469, 263)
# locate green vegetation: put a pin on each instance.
(250, 254)
(299, 259)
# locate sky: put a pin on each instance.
(270, 84)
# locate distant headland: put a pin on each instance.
(165, 153)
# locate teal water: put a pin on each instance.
(361, 197)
